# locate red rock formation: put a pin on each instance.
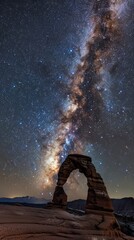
(99, 211)
(98, 198)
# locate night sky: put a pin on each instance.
(66, 87)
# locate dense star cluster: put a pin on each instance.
(66, 87)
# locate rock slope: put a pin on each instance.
(20, 222)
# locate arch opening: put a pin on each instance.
(76, 186)
(76, 189)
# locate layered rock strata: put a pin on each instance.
(97, 198)
(98, 205)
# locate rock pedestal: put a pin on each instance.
(60, 197)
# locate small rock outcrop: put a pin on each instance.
(97, 198)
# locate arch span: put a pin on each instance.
(97, 197)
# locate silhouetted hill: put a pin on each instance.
(124, 206)
(77, 204)
(27, 199)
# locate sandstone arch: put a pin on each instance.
(97, 197)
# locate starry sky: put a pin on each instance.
(66, 86)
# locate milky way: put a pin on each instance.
(85, 90)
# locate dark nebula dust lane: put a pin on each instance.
(66, 87)
(86, 87)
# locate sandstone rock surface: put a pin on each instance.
(98, 198)
(28, 223)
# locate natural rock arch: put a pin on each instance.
(97, 198)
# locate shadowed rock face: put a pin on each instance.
(97, 198)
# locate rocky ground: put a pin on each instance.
(32, 223)
(123, 209)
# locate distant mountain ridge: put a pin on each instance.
(25, 199)
(124, 206)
